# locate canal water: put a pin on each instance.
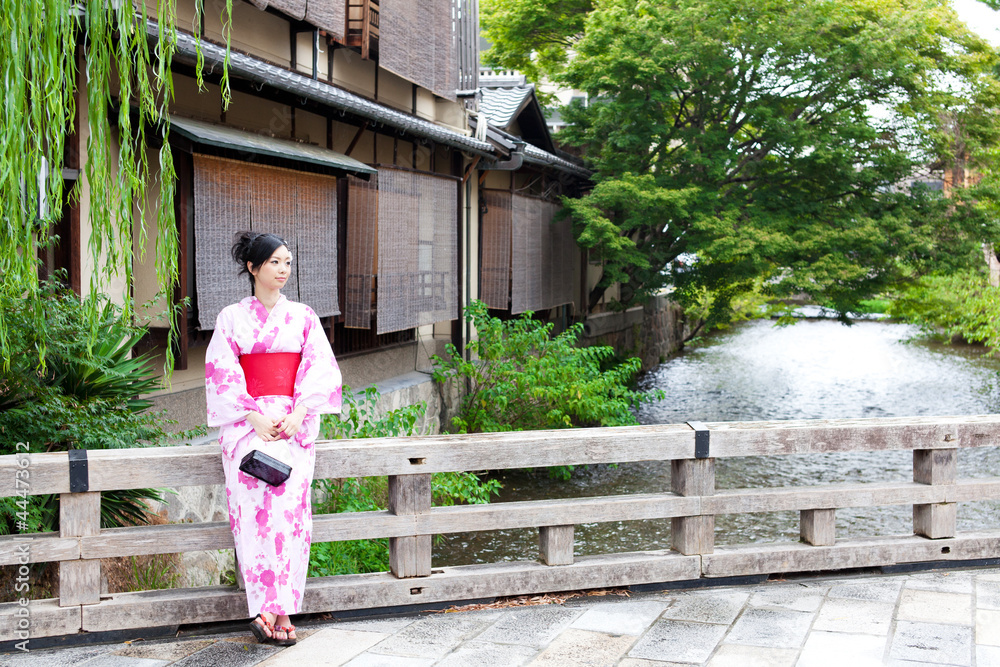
(815, 369)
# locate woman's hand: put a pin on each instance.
(292, 422)
(265, 427)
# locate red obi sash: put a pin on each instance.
(270, 374)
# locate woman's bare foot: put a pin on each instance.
(284, 631)
(263, 627)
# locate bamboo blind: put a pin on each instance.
(294, 8)
(329, 15)
(316, 234)
(494, 264)
(417, 250)
(221, 209)
(417, 41)
(544, 257)
(362, 231)
(232, 196)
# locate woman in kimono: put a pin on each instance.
(269, 375)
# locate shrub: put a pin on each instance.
(522, 378)
(73, 385)
(359, 419)
(960, 304)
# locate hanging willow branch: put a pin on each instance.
(128, 92)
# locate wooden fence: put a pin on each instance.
(692, 502)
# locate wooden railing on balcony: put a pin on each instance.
(692, 503)
(362, 26)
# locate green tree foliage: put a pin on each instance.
(533, 36)
(520, 377)
(360, 419)
(125, 72)
(86, 395)
(744, 140)
(957, 304)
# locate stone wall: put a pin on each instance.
(651, 332)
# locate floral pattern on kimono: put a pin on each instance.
(271, 524)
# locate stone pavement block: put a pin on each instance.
(432, 636)
(678, 641)
(112, 660)
(835, 649)
(942, 582)
(876, 591)
(987, 656)
(583, 648)
(619, 619)
(530, 626)
(932, 642)
(740, 655)
(988, 627)
(230, 654)
(770, 627)
(168, 650)
(712, 607)
(326, 648)
(639, 662)
(935, 607)
(56, 657)
(795, 598)
(377, 660)
(386, 625)
(855, 616)
(987, 594)
(485, 654)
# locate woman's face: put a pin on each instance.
(273, 273)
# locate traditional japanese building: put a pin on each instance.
(355, 130)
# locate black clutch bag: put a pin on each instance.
(265, 468)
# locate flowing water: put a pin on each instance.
(816, 369)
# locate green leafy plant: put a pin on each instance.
(152, 573)
(360, 418)
(523, 378)
(83, 394)
(960, 304)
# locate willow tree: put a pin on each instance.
(740, 143)
(128, 91)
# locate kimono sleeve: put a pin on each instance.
(318, 381)
(225, 384)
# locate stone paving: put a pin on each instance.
(931, 618)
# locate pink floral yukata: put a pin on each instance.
(271, 524)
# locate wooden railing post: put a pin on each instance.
(410, 556)
(555, 544)
(818, 527)
(935, 466)
(79, 580)
(693, 477)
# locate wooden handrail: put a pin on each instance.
(692, 502)
(175, 467)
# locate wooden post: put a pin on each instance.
(555, 544)
(935, 466)
(410, 556)
(79, 580)
(240, 583)
(693, 477)
(818, 527)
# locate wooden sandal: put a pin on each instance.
(288, 630)
(258, 630)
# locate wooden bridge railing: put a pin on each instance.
(692, 502)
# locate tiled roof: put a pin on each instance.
(501, 105)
